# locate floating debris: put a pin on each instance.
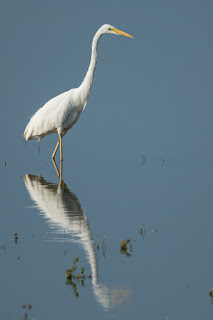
(29, 306)
(154, 230)
(124, 247)
(142, 231)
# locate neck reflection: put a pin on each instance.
(62, 211)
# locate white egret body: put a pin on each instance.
(60, 113)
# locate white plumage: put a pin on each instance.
(60, 113)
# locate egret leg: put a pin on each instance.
(38, 148)
(60, 140)
(56, 168)
(60, 175)
(56, 148)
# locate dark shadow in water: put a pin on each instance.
(62, 211)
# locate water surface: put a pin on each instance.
(164, 205)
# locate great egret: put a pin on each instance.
(61, 112)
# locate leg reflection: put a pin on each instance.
(59, 173)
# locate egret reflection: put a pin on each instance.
(62, 211)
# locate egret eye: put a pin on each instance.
(110, 29)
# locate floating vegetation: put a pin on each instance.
(72, 278)
(70, 275)
(29, 306)
(15, 238)
(124, 247)
(211, 295)
(24, 306)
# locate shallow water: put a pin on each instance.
(162, 204)
(137, 164)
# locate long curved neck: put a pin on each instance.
(87, 82)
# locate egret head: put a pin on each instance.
(107, 28)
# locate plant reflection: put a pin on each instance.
(62, 211)
(71, 277)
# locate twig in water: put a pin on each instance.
(104, 247)
(143, 159)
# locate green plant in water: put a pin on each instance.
(124, 247)
(70, 271)
(72, 278)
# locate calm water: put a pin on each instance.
(163, 203)
(138, 165)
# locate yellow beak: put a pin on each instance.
(122, 33)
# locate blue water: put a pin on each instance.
(163, 204)
(137, 165)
